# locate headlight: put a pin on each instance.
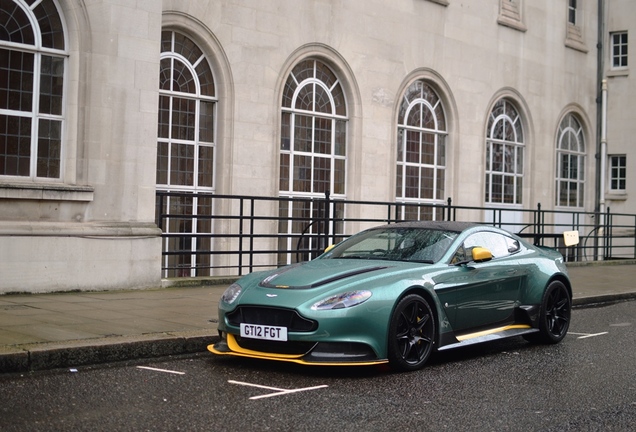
(231, 293)
(342, 301)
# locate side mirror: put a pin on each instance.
(481, 254)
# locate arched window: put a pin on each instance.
(504, 155)
(313, 145)
(187, 104)
(186, 152)
(313, 132)
(570, 169)
(33, 59)
(421, 151)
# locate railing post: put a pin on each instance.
(607, 235)
(240, 240)
(323, 236)
(540, 228)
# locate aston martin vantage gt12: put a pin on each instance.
(394, 294)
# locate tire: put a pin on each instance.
(554, 318)
(411, 334)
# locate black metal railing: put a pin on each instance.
(227, 235)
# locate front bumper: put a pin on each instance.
(306, 353)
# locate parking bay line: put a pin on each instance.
(587, 335)
(161, 370)
(278, 391)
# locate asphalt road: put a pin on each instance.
(586, 383)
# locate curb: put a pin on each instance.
(37, 357)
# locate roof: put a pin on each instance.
(434, 225)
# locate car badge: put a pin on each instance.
(271, 295)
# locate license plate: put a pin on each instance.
(257, 331)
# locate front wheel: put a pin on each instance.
(554, 318)
(411, 333)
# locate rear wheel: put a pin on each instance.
(554, 319)
(411, 333)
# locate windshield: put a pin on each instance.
(395, 244)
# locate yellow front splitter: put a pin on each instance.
(237, 351)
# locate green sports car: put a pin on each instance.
(394, 293)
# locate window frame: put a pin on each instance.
(421, 95)
(623, 48)
(197, 199)
(617, 173)
(291, 183)
(505, 107)
(302, 91)
(198, 98)
(572, 12)
(35, 115)
(570, 127)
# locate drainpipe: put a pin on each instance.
(601, 201)
(600, 119)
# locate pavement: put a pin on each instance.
(72, 329)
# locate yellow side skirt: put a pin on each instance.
(492, 331)
(236, 350)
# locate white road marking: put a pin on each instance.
(587, 335)
(278, 391)
(254, 385)
(161, 370)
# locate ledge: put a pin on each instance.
(511, 23)
(574, 39)
(616, 196)
(612, 73)
(48, 191)
(82, 229)
(442, 2)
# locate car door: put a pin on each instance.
(487, 292)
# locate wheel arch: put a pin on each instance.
(564, 280)
(430, 298)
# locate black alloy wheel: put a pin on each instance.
(411, 333)
(554, 320)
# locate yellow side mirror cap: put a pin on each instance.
(481, 254)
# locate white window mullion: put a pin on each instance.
(35, 109)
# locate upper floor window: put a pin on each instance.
(421, 148)
(570, 180)
(504, 155)
(574, 27)
(619, 49)
(32, 65)
(572, 12)
(618, 173)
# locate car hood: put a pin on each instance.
(319, 272)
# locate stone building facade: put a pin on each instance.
(104, 102)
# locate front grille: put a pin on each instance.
(271, 316)
(275, 347)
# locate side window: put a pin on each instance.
(495, 243)
(513, 245)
